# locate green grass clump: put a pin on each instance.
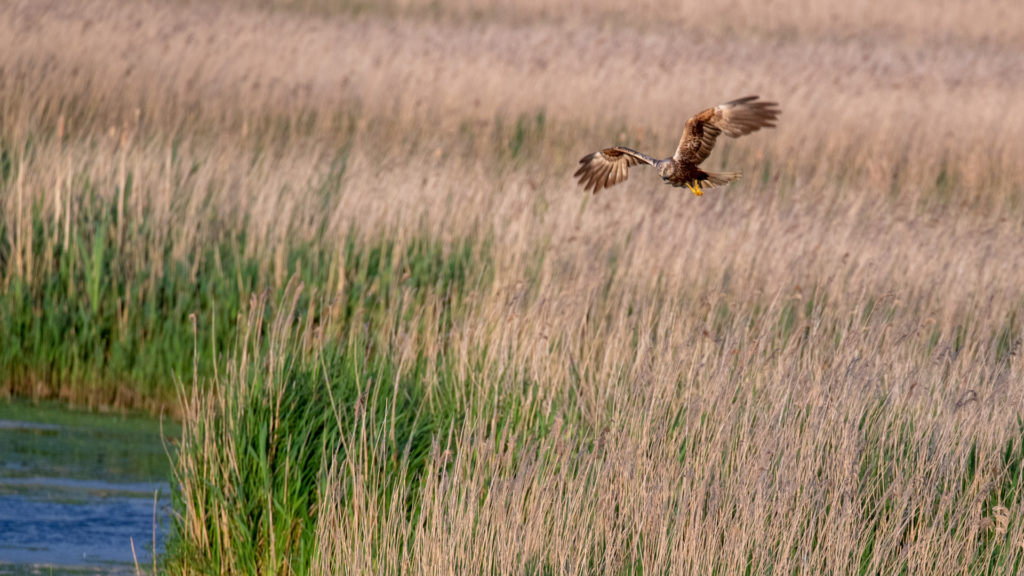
(254, 465)
(101, 323)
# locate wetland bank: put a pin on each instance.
(342, 246)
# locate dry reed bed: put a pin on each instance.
(977, 21)
(781, 439)
(894, 107)
(268, 101)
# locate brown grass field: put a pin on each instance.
(815, 370)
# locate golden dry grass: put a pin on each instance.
(789, 375)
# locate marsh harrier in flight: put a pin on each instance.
(737, 118)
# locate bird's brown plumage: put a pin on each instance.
(735, 118)
(608, 167)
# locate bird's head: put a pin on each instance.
(664, 168)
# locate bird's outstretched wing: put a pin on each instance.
(735, 118)
(608, 167)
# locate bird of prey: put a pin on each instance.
(736, 118)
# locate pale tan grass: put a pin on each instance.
(774, 440)
(915, 19)
(893, 108)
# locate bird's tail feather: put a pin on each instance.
(719, 178)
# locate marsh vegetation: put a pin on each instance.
(343, 245)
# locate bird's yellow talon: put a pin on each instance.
(696, 190)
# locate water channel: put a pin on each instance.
(81, 493)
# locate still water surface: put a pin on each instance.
(76, 489)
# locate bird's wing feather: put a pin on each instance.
(735, 119)
(608, 167)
